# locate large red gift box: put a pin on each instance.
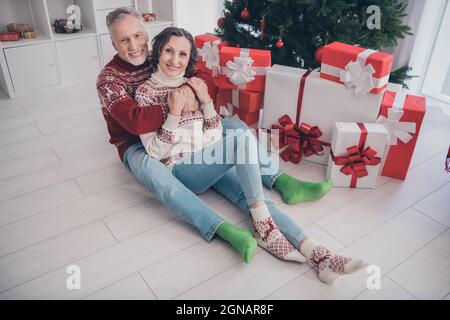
(244, 69)
(208, 47)
(247, 101)
(402, 114)
(363, 69)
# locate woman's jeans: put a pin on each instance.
(158, 179)
(237, 148)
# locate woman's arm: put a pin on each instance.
(212, 126)
(159, 143)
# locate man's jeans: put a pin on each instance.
(158, 179)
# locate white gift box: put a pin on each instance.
(324, 103)
(357, 149)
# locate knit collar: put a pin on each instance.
(159, 77)
(128, 66)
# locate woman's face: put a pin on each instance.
(174, 56)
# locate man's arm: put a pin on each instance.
(125, 110)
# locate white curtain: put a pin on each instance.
(402, 52)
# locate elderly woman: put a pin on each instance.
(194, 146)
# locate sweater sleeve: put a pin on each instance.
(125, 110)
(158, 144)
(212, 126)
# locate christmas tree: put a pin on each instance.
(294, 29)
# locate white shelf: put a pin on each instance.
(69, 57)
(157, 23)
(24, 42)
(68, 36)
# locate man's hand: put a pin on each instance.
(191, 103)
(201, 90)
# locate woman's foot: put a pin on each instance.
(329, 266)
(296, 191)
(240, 239)
(270, 238)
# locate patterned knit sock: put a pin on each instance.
(240, 239)
(296, 191)
(329, 266)
(269, 237)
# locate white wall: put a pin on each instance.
(198, 16)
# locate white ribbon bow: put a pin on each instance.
(397, 130)
(359, 76)
(227, 111)
(210, 55)
(240, 71)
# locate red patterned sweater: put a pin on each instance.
(179, 136)
(116, 87)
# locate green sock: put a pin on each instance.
(296, 191)
(240, 239)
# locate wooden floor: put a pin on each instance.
(65, 199)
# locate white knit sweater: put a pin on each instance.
(179, 135)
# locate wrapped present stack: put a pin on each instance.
(343, 116)
(240, 75)
(242, 81)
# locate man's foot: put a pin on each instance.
(329, 266)
(296, 191)
(240, 239)
(269, 237)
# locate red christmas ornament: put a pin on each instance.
(280, 44)
(318, 54)
(245, 14)
(220, 22)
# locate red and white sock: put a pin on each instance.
(269, 237)
(329, 266)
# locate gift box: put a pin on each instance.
(208, 47)
(228, 110)
(365, 70)
(243, 69)
(317, 104)
(357, 149)
(9, 36)
(402, 115)
(28, 34)
(247, 101)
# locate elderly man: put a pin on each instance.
(116, 86)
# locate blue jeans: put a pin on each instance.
(158, 179)
(237, 149)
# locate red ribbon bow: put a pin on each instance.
(301, 140)
(357, 159)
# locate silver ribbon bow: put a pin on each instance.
(359, 76)
(210, 55)
(227, 111)
(240, 71)
(397, 130)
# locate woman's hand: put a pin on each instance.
(176, 101)
(191, 101)
(201, 90)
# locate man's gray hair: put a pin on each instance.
(120, 13)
